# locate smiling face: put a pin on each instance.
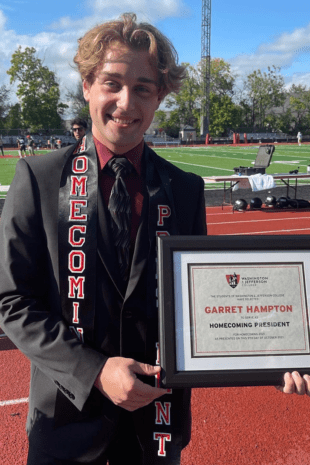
(123, 98)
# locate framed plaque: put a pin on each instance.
(233, 310)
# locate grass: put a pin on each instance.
(221, 160)
(7, 166)
(7, 170)
(208, 160)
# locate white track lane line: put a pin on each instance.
(14, 401)
(255, 221)
(257, 233)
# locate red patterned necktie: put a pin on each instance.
(120, 211)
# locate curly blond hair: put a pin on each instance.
(137, 36)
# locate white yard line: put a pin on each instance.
(14, 401)
(200, 166)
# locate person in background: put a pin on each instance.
(30, 146)
(52, 142)
(78, 128)
(299, 138)
(21, 145)
(1, 145)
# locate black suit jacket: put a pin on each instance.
(68, 416)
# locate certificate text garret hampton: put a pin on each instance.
(249, 309)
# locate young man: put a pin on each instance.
(80, 306)
(21, 147)
(78, 128)
(1, 145)
(52, 142)
(30, 146)
(299, 138)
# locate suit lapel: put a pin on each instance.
(157, 193)
(141, 251)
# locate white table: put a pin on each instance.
(233, 180)
(3, 191)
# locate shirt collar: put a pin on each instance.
(134, 155)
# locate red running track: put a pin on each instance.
(231, 426)
(252, 425)
(224, 221)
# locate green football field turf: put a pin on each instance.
(208, 160)
(7, 166)
(220, 161)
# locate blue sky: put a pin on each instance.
(249, 35)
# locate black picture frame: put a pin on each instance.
(285, 248)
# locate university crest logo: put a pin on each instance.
(233, 279)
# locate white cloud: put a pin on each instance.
(285, 51)
(294, 42)
(57, 45)
(298, 78)
(145, 9)
(56, 49)
(2, 20)
(102, 10)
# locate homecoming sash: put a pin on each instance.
(77, 238)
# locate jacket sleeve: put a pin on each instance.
(30, 313)
(200, 225)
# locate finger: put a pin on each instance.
(146, 369)
(307, 384)
(147, 391)
(300, 388)
(289, 385)
(141, 395)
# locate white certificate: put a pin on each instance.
(252, 309)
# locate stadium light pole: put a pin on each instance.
(205, 62)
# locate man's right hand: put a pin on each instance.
(118, 382)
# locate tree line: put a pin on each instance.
(260, 102)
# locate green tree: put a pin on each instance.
(170, 125)
(77, 103)
(14, 118)
(186, 105)
(37, 91)
(4, 104)
(264, 92)
(284, 121)
(224, 115)
(222, 81)
(300, 106)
